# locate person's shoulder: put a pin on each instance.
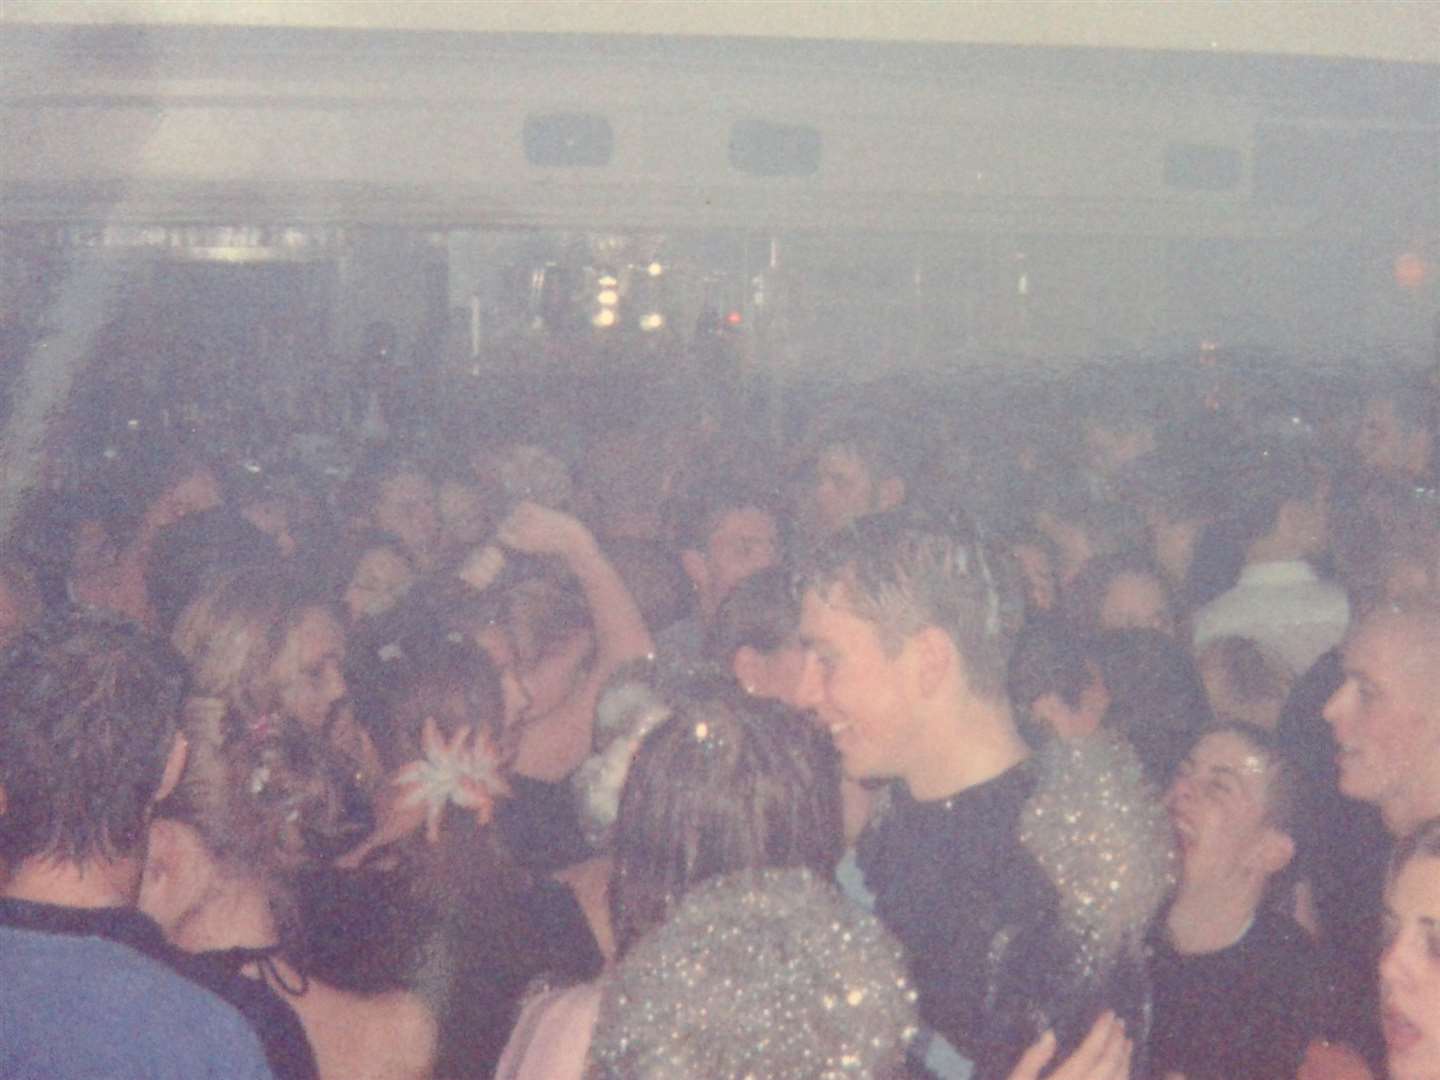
(1278, 932)
(101, 989)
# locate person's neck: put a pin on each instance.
(99, 883)
(1208, 918)
(238, 918)
(965, 752)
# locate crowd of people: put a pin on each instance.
(1085, 727)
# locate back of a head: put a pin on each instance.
(428, 675)
(1085, 597)
(195, 549)
(762, 612)
(765, 974)
(904, 573)
(1267, 479)
(1245, 681)
(1049, 658)
(269, 800)
(726, 783)
(89, 708)
(1157, 697)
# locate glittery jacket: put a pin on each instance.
(994, 926)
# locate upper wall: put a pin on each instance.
(253, 125)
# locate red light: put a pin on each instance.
(1411, 270)
(734, 318)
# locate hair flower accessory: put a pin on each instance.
(463, 770)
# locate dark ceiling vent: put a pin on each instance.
(569, 139)
(766, 149)
(1203, 167)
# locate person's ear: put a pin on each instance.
(748, 667)
(176, 871)
(174, 767)
(932, 656)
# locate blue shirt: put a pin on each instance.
(83, 1008)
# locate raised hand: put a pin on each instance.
(539, 530)
(1103, 1055)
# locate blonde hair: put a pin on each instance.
(233, 632)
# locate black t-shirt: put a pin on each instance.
(953, 882)
(286, 1047)
(1246, 1012)
(541, 826)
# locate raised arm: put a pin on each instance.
(554, 744)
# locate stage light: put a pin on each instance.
(1411, 270)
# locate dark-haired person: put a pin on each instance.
(394, 495)
(861, 468)
(473, 930)
(908, 629)
(1281, 510)
(722, 536)
(1124, 591)
(89, 742)
(1396, 434)
(1239, 988)
(1157, 697)
(1410, 964)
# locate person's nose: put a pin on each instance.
(811, 691)
(1394, 966)
(1337, 710)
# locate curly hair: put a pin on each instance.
(268, 799)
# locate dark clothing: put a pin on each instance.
(540, 825)
(1342, 850)
(493, 958)
(570, 949)
(973, 909)
(1243, 1013)
(455, 925)
(286, 1047)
